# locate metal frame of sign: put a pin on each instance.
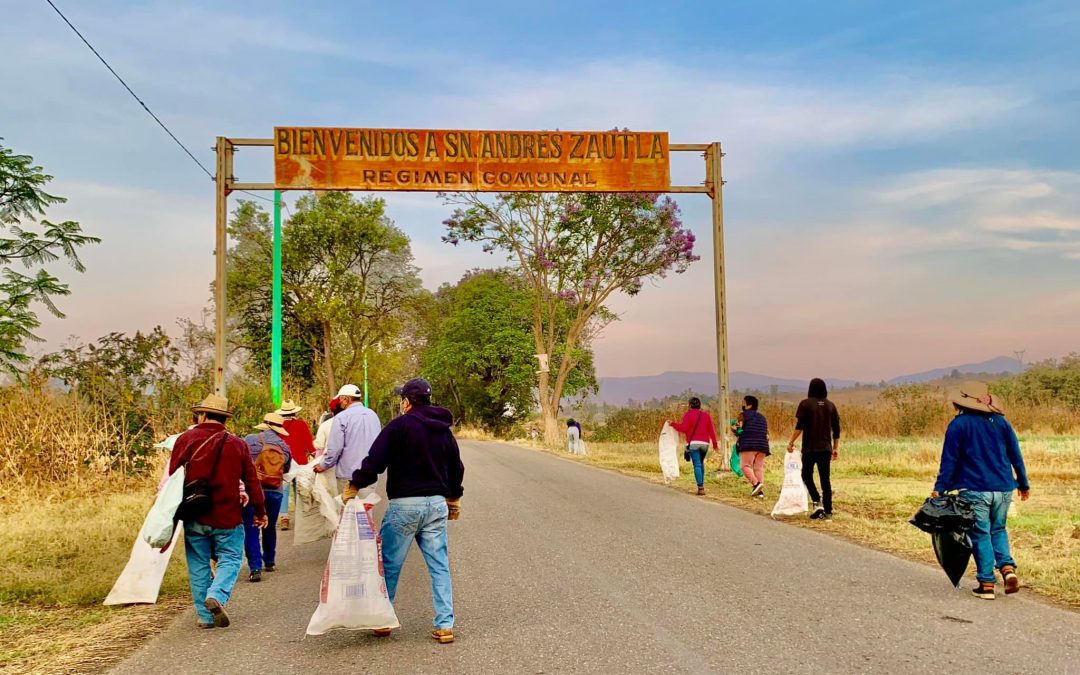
(225, 183)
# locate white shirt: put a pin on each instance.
(352, 431)
(322, 436)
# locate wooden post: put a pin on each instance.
(224, 152)
(715, 181)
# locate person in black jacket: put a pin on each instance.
(818, 421)
(424, 473)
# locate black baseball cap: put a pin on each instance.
(414, 387)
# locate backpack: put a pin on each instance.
(270, 465)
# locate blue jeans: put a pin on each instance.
(697, 456)
(201, 543)
(989, 539)
(285, 499)
(422, 519)
(266, 551)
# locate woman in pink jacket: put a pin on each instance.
(698, 427)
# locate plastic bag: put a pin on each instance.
(353, 592)
(157, 529)
(669, 459)
(945, 513)
(736, 465)
(140, 582)
(317, 508)
(793, 496)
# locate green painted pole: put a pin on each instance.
(275, 321)
(366, 402)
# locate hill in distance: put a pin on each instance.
(619, 390)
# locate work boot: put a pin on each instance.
(221, 619)
(701, 491)
(283, 523)
(270, 568)
(1012, 582)
(255, 576)
(444, 635)
(381, 632)
(984, 590)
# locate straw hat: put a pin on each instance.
(975, 395)
(212, 404)
(273, 422)
(288, 407)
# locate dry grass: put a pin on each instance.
(878, 485)
(59, 555)
(47, 641)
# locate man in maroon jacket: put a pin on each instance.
(210, 452)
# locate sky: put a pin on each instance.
(903, 181)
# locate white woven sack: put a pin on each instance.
(793, 496)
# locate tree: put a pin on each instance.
(348, 284)
(249, 278)
(574, 251)
(480, 351)
(23, 201)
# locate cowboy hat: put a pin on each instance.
(975, 395)
(273, 422)
(288, 407)
(212, 404)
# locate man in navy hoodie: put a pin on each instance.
(424, 471)
(979, 458)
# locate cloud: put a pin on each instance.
(759, 113)
(1019, 210)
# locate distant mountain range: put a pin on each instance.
(619, 390)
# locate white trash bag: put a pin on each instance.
(353, 592)
(669, 458)
(140, 582)
(793, 496)
(157, 529)
(317, 508)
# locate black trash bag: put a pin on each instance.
(945, 513)
(953, 552)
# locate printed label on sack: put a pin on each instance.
(364, 529)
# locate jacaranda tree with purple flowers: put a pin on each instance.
(575, 251)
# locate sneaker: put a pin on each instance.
(758, 490)
(255, 577)
(817, 513)
(761, 495)
(221, 619)
(701, 491)
(283, 523)
(827, 516)
(1012, 582)
(270, 568)
(444, 635)
(381, 632)
(984, 590)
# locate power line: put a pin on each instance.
(133, 95)
(144, 106)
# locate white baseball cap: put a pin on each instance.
(350, 390)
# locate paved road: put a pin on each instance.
(563, 568)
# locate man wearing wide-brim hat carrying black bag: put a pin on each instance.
(981, 458)
(215, 462)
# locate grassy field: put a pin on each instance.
(58, 559)
(878, 485)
